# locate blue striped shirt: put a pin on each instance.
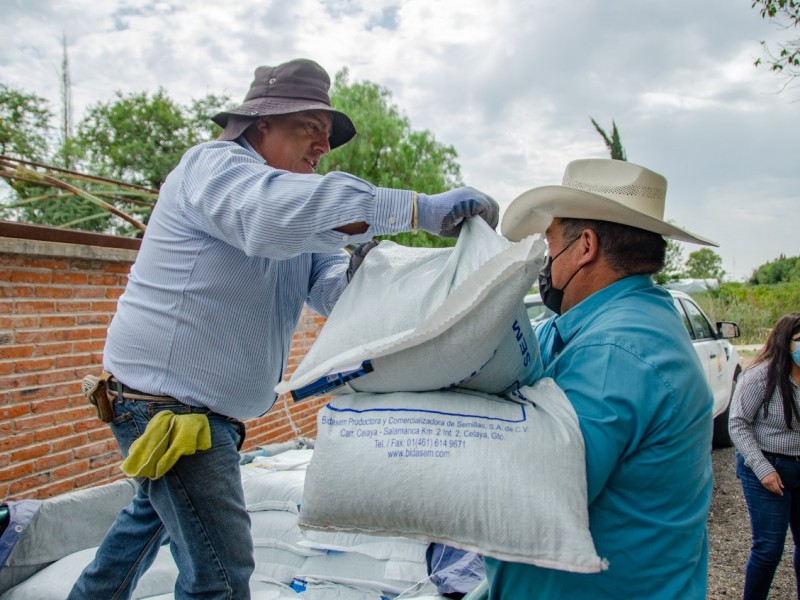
(233, 250)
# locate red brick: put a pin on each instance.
(15, 351)
(74, 360)
(104, 279)
(47, 263)
(18, 381)
(90, 450)
(54, 349)
(29, 453)
(68, 389)
(114, 293)
(99, 333)
(55, 292)
(54, 489)
(87, 265)
(29, 483)
(104, 460)
(93, 319)
(52, 460)
(107, 306)
(89, 292)
(73, 468)
(60, 432)
(70, 278)
(34, 364)
(6, 367)
(49, 405)
(96, 430)
(31, 393)
(89, 346)
(19, 322)
(68, 443)
(73, 306)
(12, 259)
(35, 422)
(6, 306)
(61, 320)
(18, 440)
(16, 471)
(123, 268)
(24, 276)
(17, 291)
(73, 415)
(35, 307)
(56, 376)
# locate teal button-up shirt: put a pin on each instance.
(624, 360)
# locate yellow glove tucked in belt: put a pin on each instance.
(168, 437)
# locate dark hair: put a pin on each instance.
(628, 250)
(777, 354)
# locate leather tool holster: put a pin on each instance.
(96, 391)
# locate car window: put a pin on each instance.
(537, 311)
(684, 318)
(700, 325)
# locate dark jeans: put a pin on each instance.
(199, 504)
(770, 516)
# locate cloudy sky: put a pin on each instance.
(510, 84)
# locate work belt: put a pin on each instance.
(101, 391)
(119, 390)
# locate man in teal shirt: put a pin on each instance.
(620, 352)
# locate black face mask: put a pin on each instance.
(553, 297)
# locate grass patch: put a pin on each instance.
(755, 308)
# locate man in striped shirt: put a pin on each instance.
(243, 234)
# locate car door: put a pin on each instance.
(709, 349)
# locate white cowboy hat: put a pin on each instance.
(601, 189)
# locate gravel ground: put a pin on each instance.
(729, 538)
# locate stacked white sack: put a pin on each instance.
(502, 478)
(273, 488)
(429, 319)
(425, 454)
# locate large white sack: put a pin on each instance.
(265, 489)
(348, 568)
(471, 470)
(56, 580)
(429, 319)
(378, 547)
(54, 531)
(279, 529)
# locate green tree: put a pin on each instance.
(24, 124)
(138, 138)
(673, 263)
(387, 152)
(614, 143)
(704, 264)
(786, 13)
(780, 270)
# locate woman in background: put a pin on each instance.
(765, 427)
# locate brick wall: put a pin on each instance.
(56, 300)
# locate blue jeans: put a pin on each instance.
(198, 506)
(770, 516)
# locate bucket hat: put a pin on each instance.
(600, 189)
(291, 87)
